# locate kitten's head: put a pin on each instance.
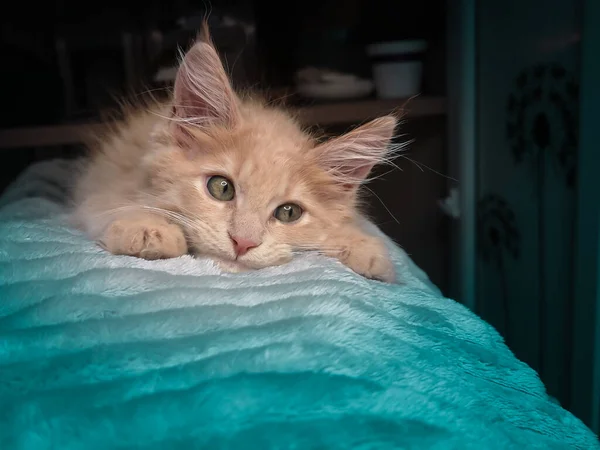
(253, 186)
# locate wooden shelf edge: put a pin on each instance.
(320, 115)
(361, 111)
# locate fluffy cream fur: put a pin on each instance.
(143, 191)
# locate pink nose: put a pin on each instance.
(241, 245)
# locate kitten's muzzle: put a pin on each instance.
(241, 245)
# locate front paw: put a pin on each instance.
(145, 238)
(370, 258)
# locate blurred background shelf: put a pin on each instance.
(67, 67)
(323, 114)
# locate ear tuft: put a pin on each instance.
(204, 33)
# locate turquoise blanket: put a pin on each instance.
(106, 352)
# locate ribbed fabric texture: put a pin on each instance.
(106, 352)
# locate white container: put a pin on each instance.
(397, 67)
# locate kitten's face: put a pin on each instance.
(253, 188)
(252, 198)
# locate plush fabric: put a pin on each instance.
(106, 352)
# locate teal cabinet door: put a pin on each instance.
(524, 141)
(586, 318)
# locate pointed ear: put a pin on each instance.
(350, 157)
(203, 94)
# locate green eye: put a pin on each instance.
(288, 213)
(221, 188)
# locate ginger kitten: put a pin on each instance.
(216, 175)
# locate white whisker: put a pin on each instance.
(384, 205)
(420, 165)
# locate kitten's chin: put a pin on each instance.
(232, 266)
(237, 267)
